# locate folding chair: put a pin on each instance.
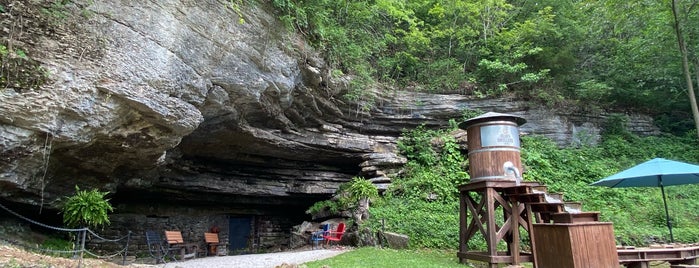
(156, 247)
(316, 237)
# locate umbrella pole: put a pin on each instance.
(667, 214)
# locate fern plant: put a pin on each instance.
(86, 208)
(360, 188)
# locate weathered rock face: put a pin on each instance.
(175, 102)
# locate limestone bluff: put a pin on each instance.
(191, 118)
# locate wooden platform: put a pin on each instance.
(575, 245)
(641, 257)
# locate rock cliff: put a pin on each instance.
(176, 102)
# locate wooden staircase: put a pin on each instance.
(549, 207)
(557, 229)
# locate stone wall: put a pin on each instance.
(268, 233)
(273, 233)
(192, 228)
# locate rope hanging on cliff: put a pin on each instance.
(46, 157)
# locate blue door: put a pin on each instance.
(238, 233)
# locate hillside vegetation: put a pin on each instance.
(423, 203)
(585, 55)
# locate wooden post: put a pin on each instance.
(82, 246)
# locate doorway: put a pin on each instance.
(239, 230)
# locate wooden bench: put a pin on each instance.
(176, 243)
(214, 246)
(641, 257)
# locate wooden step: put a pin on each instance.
(540, 188)
(567, 217)
(544, 207)
(531, 198)
(539, 198)
(572, 207)
(526, 187)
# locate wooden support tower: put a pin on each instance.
(479, 202)
(494, 166)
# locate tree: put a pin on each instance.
(360, 191)
(685, 61)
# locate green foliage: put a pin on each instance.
(13, 263)
(58, 244)
(235, 5)
(596, 55)
(637, 213)
(423, 203)
(86, 208)
(468, 114)
(416, 145)
(325, 205)
(593, 91)
(435, 166)
(347, 196)
(57, 11)
(19, 71)
(360, 188)
(428, 224)
(347, 32)
(616, 126)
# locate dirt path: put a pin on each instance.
(267, 260)
(11, 256)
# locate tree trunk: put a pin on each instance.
(685, 67)
(362, 211)
(696, 69)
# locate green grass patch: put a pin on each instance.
(388, 258)
(379, 257)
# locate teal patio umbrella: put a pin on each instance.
(656, 172)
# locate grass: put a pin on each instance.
(378, 257)
(388, 258)
(381, 257)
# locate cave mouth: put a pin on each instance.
(31, 226)
(30, 213)
(247, 223)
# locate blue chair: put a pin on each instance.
(316, 237)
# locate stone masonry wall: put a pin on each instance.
(268, 233)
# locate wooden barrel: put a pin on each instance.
(493, 140)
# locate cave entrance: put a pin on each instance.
(239, 228)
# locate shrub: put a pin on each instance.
(360, 188)
(86, 208)
(347, 196)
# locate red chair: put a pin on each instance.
(335, 235)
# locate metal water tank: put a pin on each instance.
(493, 146)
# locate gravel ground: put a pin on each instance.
(267, 260)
